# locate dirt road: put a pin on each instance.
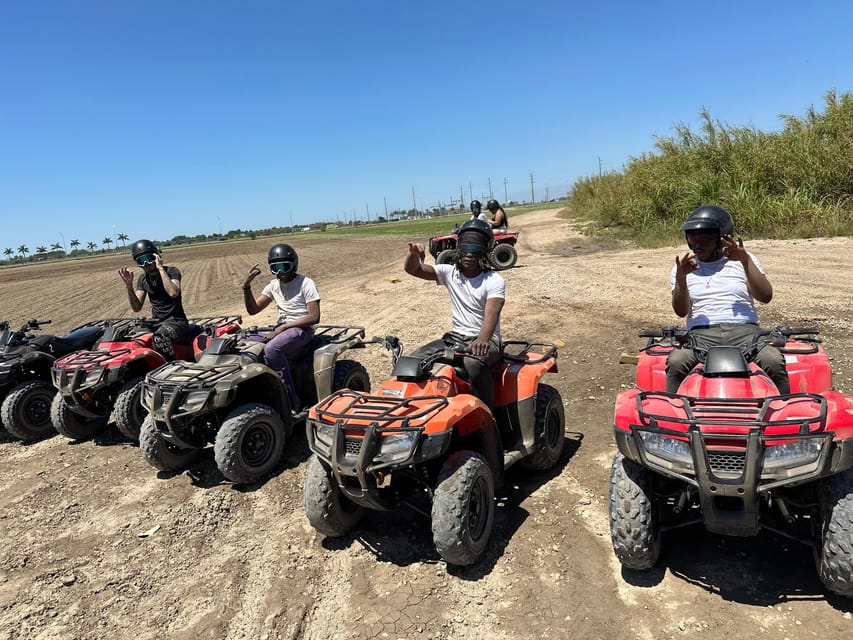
(95, 544)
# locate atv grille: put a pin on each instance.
(726, 461)
(352, 446)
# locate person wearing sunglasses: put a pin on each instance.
(477, 295)
(298, 302)
(162, 286)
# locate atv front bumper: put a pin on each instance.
(85, 389)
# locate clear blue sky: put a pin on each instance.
(154, 118)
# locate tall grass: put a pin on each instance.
(793, 183)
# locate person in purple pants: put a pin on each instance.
(298, 304)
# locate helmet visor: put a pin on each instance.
(476, 249)
(145, 258)
(281, 268)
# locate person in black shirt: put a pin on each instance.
(162, 285)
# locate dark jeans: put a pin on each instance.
(478, 369)
(769, 358)
(167, 334)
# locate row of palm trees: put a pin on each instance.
(24, 250)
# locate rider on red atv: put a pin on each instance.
(162, 285)
(716, 288)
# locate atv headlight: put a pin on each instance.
(792, 454)
(666, 447)
(397, 446)
(195, 400)
(324, 433)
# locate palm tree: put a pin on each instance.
(23, 250)
(74, 244)
(107, 242)
(55, 246)
(41, 250)
(8, 252)
(123, 237)
(91, 246)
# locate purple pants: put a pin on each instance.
(286, 342)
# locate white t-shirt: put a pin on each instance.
(292, 297)
(719, 293)
(468, 297)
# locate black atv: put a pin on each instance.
(25, 362)
(230, 398)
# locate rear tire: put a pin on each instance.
(550, 425)
(249, 443)
(448, 256)
(73, 425)
(328, 511)
(503, 256)
(836, 549)
(463, 508)
(350, 374)
(26, 410)
(161, 454)
(633, 528)
(128, 411)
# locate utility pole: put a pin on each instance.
(385, 200)
(367, 209)
(506, 198)
(461, 197)
(470, 192)
(599, 166)
(414, 202)
(532, 196)
(490, 188)
(546, 195)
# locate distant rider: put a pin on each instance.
(499, 221)
(715, 287)
(476, 299)
(477, 212)
(162, 285)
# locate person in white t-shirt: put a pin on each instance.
(298, 302)
(477, 297)
(477, 212)
(715, 288)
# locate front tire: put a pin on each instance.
(350, 374)
(249, 443)
(503, 256)
(26, 410)
(160, 453)
(550, 426)
(463, 508)
(633, 528)
(448, 256)
(836, 550)
(73, 425)
(328, 511)
(128, 410)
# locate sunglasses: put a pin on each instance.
(471, 248)
(145, 258)
(281, 268)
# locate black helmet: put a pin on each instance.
(282, 259)
(476, 206)
(493, 205)
(481, 228)
(709, 217)
(143, 252)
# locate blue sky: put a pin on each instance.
(155, 119)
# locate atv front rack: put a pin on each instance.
(179, 375)
(364, 411)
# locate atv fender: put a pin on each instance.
(153, 359)
(324, 365)
(37, 361)
(518, 381)
(257, 384)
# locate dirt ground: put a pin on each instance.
(94, 543)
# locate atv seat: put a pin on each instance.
(726, 362)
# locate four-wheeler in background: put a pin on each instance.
(25, 361)
(106, 379)
(503, 255)
(230, 398)
(423, 441)
(729, 452)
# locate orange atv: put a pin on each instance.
(423, 441)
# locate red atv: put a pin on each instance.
(107, 380)
(729, 452)
(503, 255)
(424, 442)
